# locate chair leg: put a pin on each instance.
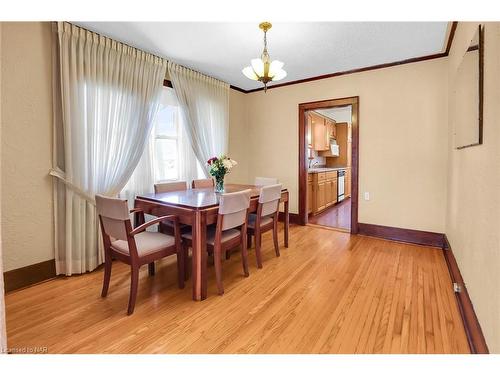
(134, 282)
(228, 255)
(151, 269)
(187, 265)
(258, 240)
(218, 269)
(181, 267)
(107, 276)
(275, 237)
(249, 241)
(244, 256)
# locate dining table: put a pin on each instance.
(198, 208)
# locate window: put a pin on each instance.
(173, 158)
(168, 156)
(166, 135)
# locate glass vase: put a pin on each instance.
(219, 184)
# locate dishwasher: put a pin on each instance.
(340, 185)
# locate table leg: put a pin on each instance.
(287, 222)
(199, 260)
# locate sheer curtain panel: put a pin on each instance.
(205, 106)
(106, 96)
(185, 164)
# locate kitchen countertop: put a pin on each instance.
(324, 169)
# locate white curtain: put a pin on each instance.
(144, 176)
(109, 95)
(205, 105)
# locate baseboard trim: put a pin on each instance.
(29, 275)
(475, 337)
(413, 236)
(294, 218)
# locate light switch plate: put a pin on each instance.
(367, 196)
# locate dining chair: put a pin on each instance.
(203, 183)
(264, 181)
(165, 187)
(229, 232)
(167, 227)
(135, 247)
(265, 219)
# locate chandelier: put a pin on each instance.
(263, 69)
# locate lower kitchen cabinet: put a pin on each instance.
(309, 193)
(323, 191)
(347, 190)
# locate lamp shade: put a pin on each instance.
(279, 75)
(275, 67)
(258, 67)
(249, 73)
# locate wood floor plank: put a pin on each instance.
(329, 292)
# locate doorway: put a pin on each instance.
(328, 163)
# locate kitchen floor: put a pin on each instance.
(338, 216)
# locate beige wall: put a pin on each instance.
(26, 121)
(238, 140)
(404, 137)
(473, 209)
(403, 140)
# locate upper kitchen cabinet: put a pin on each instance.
(322, 130)
(344, 141)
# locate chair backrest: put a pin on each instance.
(264, 181)
(170, 186)
(204, 183)
(233, 207)
(114, 213)
(269, 199)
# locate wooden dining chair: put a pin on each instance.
(264, 181)
(165, 187)
(265, 219)
(167, 227)
(229, 233)
(203, 183)
(135, 247)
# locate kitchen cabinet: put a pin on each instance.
(347, 189)
(331, 129)
(344, 140)
(322, 130)
(309, 131)
(323, 190)
(320, 196)
(310, 192)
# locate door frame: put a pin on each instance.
(341, 102)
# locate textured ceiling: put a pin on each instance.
(308, 49)
(339, 114)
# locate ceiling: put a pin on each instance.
(308, 49)
(339, 114)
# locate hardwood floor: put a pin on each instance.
(338, 216)
(329, 292)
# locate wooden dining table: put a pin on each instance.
(198, 208)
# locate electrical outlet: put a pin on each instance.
(367, 196)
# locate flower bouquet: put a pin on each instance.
(219, 167)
